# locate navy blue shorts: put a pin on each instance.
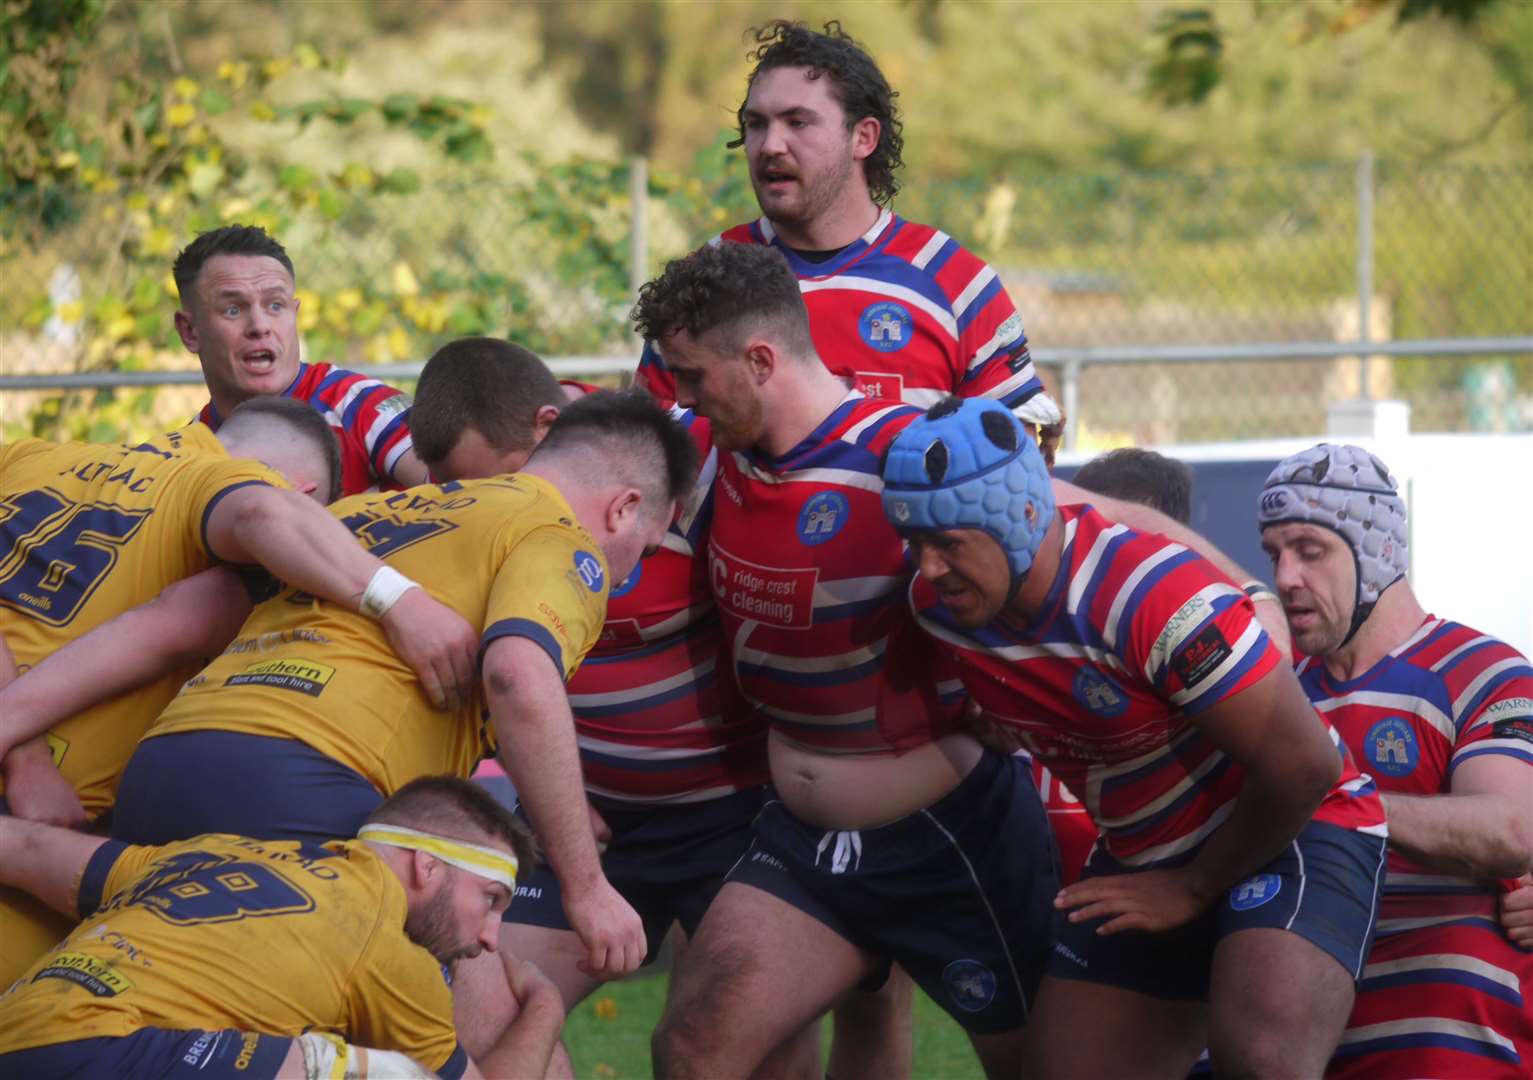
(1325, 887)
(153, 1054)
(193, 782)
(958, 894)
(668, 861)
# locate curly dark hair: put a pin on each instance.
(859, 86)
(726, 287)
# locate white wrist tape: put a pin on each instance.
(384, 591)
(328, 1057)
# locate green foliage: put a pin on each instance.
(1192, 52)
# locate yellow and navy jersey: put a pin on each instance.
(217, 931)
(505, 552)
(87, 532)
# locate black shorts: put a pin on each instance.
(667, 860)
(1325, 887)
(153, 1054)
(958, 894)
(193, 782)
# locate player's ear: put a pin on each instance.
(423, 867)
(760, 360)
(623, 510)
(865, 135)
(542, 421)
(187, 329)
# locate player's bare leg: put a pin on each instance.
(1277, 1005)
(871, 1034)
(1085, 1031)
(482, 1003)
(758, 971)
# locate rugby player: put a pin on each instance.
(1139, 675)
(1141, 476)
(226, 956)
(808, 579)
(899, 308)
(1442, 716)
(324, 723)
(90, 531)
(239, 315)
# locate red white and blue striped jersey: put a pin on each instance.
(656, 715)
(370, 418)
(1138, 635)
(810, 580)
(1443, 990)
(904, 311)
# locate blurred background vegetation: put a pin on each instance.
(447, 167)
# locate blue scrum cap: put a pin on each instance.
(967, 464)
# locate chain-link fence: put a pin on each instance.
(1105, 270)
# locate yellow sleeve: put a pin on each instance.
(206, 479)
(114, 866)
(552, 589)
(400, 1001)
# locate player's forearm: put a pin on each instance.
(536, 732)
(409, 470)
(46, 861)
(1484, 835)
(297, 540)
(528, 1042)
(1263, 822)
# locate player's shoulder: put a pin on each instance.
(1472, 665)
(934, 253)
(872, 424)
(747, 232)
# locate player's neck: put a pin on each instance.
(804, 396)
(1395, 618)
(837, 227)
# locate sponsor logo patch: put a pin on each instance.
(99, 977)
(1201, 656)
(970, 984)
(1390, 746)
(589, 567)
(885, 326)
(1099, 694)
(880, 384)
(822, 517)
(1253, 892)
(764, 594)
(1520, 728)
(293, 673)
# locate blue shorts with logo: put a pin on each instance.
(958, 894)
(153, 1054)
(668, 861)
(188, 783)
(1325, 887)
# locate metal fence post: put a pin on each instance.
(1072, 376)
(638, 198)
(1365, 268)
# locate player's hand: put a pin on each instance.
(1151, 900)
(609, 928)
(599, 827)
(1517, 912)
(35, 791)
(440, 646)
(529, 985)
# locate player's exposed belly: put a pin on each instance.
(862, 791)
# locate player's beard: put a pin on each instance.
(431, 927)
(817, 193)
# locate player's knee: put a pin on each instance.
(676, 1045)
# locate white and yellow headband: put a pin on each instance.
(487, 862)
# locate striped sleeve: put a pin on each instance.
(992, 344)
(374, 413)
(1196, 638)
(1491, 687)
